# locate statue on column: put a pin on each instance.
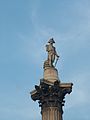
(52, 54)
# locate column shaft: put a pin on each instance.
(51, 113)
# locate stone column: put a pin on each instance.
(51, 113)
(51, 109)
(50, 95)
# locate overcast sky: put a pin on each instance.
(25, 28)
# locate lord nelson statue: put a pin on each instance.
(52, 54)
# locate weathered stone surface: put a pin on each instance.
(51, 74)
(51, 113)
(51, 98)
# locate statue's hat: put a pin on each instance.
(51, 41)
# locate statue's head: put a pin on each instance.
(51, 41)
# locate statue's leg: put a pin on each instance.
(49, 60)
(53, 58)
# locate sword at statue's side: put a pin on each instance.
(56, 61)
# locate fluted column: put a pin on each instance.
(51, 113)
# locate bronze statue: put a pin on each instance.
(52, 54)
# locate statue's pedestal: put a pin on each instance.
(51, 74)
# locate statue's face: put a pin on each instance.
(51, 43)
